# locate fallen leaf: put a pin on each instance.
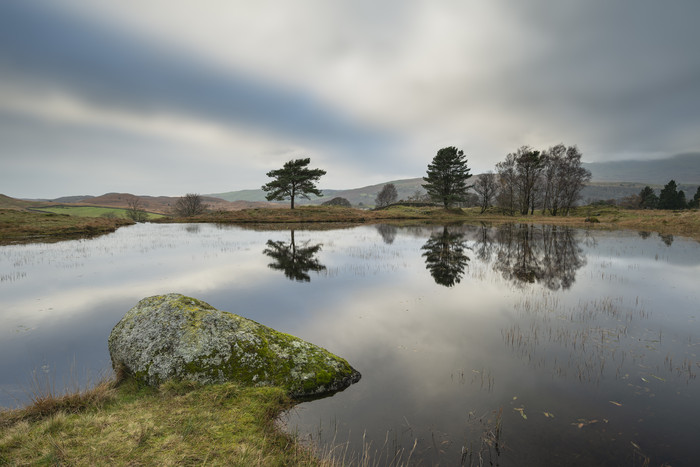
(548, 414)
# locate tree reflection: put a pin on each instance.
(667, 239)
(388, 232)
(295, 261)
(445, 258)
(547, 254)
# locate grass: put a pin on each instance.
(175, 424)
(683, 223)
(91, 211)
(23, 226)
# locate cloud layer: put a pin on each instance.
(163, 98)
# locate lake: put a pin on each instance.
(509, 345)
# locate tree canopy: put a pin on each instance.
(448, 173)
(292, 180)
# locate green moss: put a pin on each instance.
(221, 346)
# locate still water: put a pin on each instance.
(510, 345)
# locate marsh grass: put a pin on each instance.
(121, 422)
(685, 223)
(23, 226)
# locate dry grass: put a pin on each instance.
(683, 223)
(176, 424)
(23, 226)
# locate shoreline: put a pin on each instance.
(17, 227)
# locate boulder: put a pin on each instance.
(177, 337)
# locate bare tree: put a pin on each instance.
(386, 196)
(507, 179)
(574, 178)
(135, 210)
(486, 187)
(190, 205)
(419, 196)
(551, 180)
(528, 167)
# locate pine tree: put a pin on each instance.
(447, 177)
(695, 202)
(647, 198)
(293, 180)
(668, 198)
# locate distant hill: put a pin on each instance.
(357, 196)
(71, 199)
(7, 202)
(154, 204)
(683, 168)
(166, 204)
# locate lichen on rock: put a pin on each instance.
(176, 337)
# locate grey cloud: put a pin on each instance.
(48, 50)
(630, 67)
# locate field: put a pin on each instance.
(684, 223)
(91, 211)
(24, 226)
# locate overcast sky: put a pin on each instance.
(156, 97)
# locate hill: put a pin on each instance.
(683, 168)
(7, 202)
(363, 196)
(166, 204)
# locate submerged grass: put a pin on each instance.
(177, 423)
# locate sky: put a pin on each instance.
(155, 97)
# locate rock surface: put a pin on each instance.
(173, 336)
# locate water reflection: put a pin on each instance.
(388, 232)
(578, 360)
(295, 261)
(667, 239)
(545, 254)
(445, 258)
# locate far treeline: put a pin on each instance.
(528, 180)
(669, 198)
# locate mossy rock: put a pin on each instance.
(176, 337)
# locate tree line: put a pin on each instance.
(669, 198)
(527, 180)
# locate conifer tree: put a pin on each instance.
(647, 198)
(292, 180)
(668, 198)
(448, 173)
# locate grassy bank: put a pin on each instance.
(23, 226)
(91, 211)
(683, 223)
(176, 424)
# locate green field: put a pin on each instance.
(90, 211)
